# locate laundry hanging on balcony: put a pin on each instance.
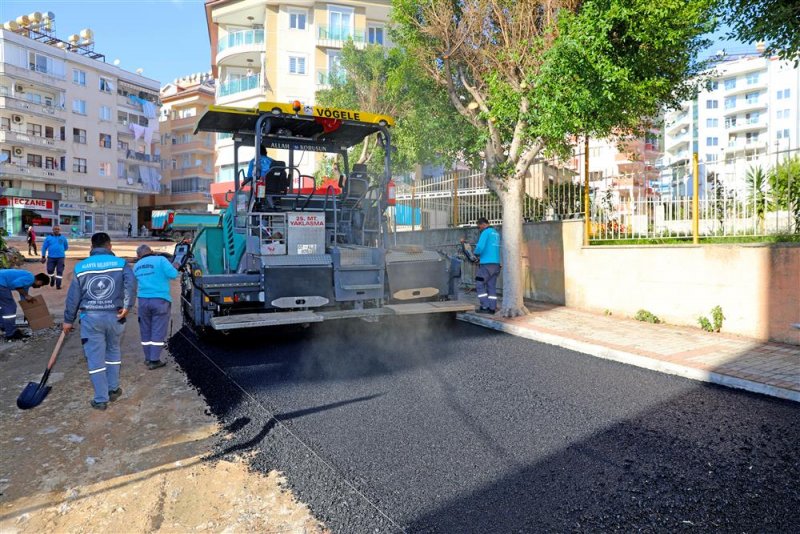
(148, 107)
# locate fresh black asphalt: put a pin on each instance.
(432, 425)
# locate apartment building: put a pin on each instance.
(283, 51)
(745, 115)
(78, 136)
(187, 160)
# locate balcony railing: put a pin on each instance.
(141, 156)
(29, 171)
(10, 102)
(341, 34)
(31, 140)
(239, 85)
(241, 38)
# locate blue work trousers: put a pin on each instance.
(154, 317)
(8, 311)
(55, 268)
(101, 333)
(486, 285)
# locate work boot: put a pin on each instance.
(156, 364)
(52, 281)
(18, 335)
(99, 405)
(485, 310)
(114, 394)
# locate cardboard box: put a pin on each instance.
(37, 314)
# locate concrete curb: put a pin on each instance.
(606, 353)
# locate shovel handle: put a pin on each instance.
(56, 350)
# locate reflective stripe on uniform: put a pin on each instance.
(97, 370)
(493, 298)
(156, 343)
(99, 272)
(113, 363)
(59, 277)
(9, 316)
(483, 295)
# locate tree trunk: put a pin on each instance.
(513, 276)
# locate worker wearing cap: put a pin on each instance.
(153, 274)
(16, 280)
(101, 291)
(54, 250)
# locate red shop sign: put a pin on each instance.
(30, 203)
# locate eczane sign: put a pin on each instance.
(29, 203)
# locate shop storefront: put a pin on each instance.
(38, 210)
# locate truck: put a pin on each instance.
(286, 252)
(180, 224)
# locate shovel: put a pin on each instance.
(34, 393)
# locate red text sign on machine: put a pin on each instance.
(306, 221)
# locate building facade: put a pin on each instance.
(745, 115)
(78, 137)
(283, 51)
(187, 160)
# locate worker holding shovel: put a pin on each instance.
(19, 280)
(102, 291)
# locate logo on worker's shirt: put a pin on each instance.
(101, 287)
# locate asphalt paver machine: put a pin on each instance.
(290, 252)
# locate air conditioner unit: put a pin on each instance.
(17, 119)
(19, 88)
(89, 198)
(18, 151)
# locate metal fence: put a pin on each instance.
(748, 194)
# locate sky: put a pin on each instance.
(166, 38)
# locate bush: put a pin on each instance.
(715, 324)
(705, 324)
(646, 317)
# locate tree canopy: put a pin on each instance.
(776, 22)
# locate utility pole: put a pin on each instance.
(587, 223)
(695, 199)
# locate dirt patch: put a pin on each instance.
(138, 466)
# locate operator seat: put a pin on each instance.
(356, 186)
(277, 179)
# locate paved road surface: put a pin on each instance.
(439, 426)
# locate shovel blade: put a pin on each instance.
(32, 396)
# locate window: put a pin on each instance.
(752, 118)
(49, 132)
(730, 102)
(5, 124)
(186, 161)
(730, 83)
(784, 93)
(6, 156)
(122, 145)
(751, 137)
(783, 113)
(51, 163)
(297, 65)
(174, 164)
(783, 134)
(79, 165)
(712, 85)
(730, 122)
(340, 22)
(712, 104)
(105, 140)
(375, 35)
(105, 169)
(732, 140)
(190, 185)
(46, 65)
(79, 77)
(79, 136)
(712, 141)
(712, 123)
(34, 160)
(297, 19)
(752, 78)
(34, 130)
(105, 85)
(187, 112)
(105, 113)
(752, 98)
(712, 157)
(79, 106)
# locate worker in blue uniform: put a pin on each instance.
(101, 292)
(20, 281)
(54, 250)
(153, 274)
(264, 163)
(488, 250)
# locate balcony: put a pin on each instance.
(34, 74)
(743, 106)
(183, 122)
(200, 171)
(325, 77)
(239, 85)
(247, 42)
(746, 126)
(19, 138)
(14, 170)
(337, 36)
(681, 121)
(141, 156)
(40, 110)
(196, 145)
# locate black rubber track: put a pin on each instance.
(431, 425)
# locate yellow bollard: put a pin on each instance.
(586, 211)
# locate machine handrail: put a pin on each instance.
(330, 191)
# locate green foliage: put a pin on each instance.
(387, 81)
(646, 317)
(773, 21)
(784, 184)
(717, 316)
(705, 324)
(756, 180)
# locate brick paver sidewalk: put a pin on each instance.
(761, 367)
